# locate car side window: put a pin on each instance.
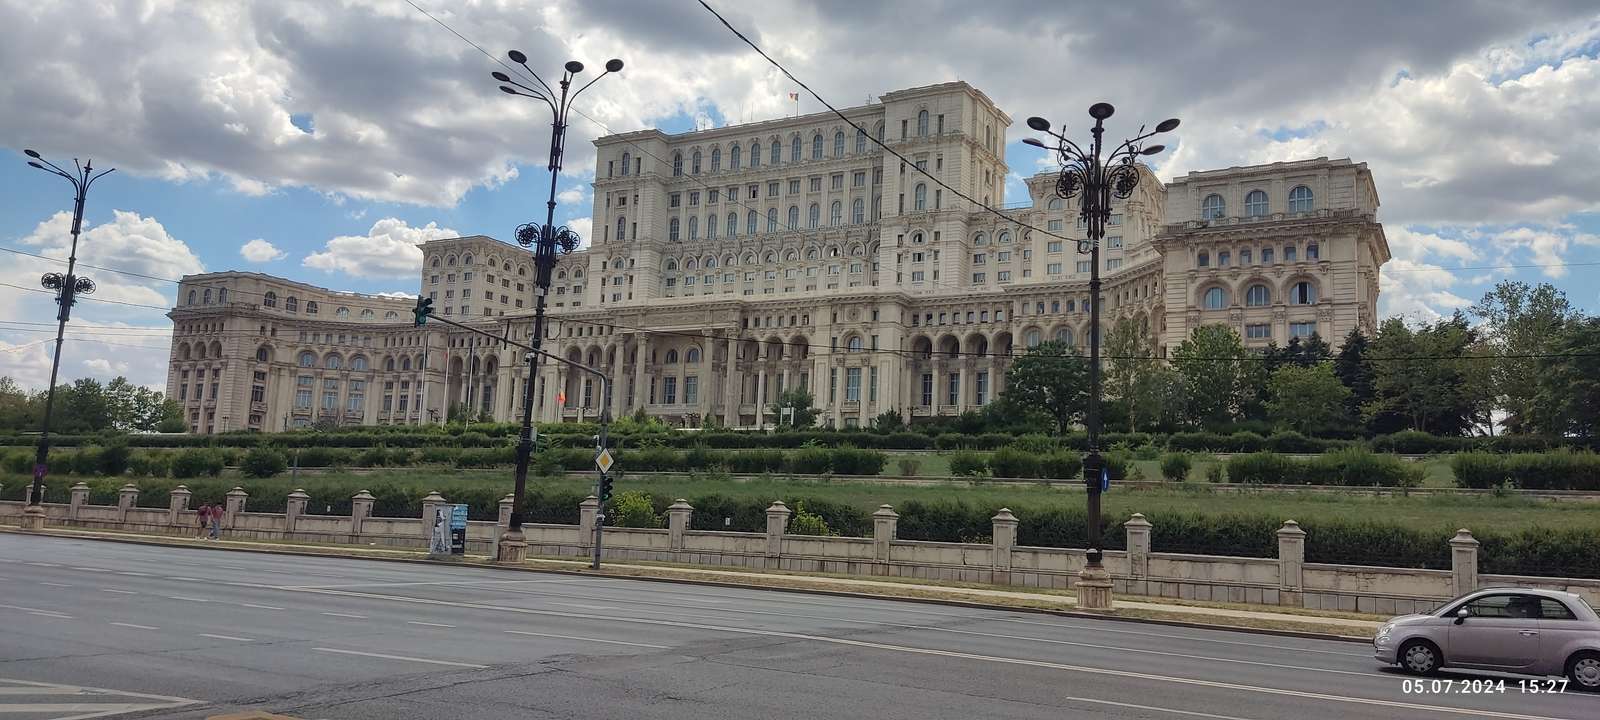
(1504, 606)
(1550, 609)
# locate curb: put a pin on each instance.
(970, 604)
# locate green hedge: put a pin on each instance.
(1348, 467)
(1554, 470)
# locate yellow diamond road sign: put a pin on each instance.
(604, 461)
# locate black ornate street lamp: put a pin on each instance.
(1095, 180)
(67, 288)
(545, 240)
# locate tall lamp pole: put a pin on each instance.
(67, 288)
(545, 240)
(1095, 178)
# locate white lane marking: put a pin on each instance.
(225, 637)
(87, 569)
(402, 657)
(585, 606)
(344, 615)
(130, 573)
(434, 582)
(119, 592)
(950, 654)
(1166, 636)
(136, 627)
(38, 691)
(101, 709)
(183, 597)
(52, 615)
(40, 564)
(260, 607)
(26, 609)
(428, 624)
(186, 579)
(588, 639)
(54, 584)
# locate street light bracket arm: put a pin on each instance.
(587, 84)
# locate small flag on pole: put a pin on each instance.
(794, 96)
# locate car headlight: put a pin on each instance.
(1384, 631)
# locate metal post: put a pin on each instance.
(601, 441)
(1100, 205)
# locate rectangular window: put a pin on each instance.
(979, 258)
(872, 384)
(981, 393)
(1083, 266)
(1114, 242)
(953, 389)
(837, 181)
(927, 389)
(711, 196)
(302, 399)
(1003, 276)
(1113, 263)
(1054, 246)
(1003, 256)
(330, 401)
(669, 390)
(1258, 332)
(258, 393)
(858, 179)
(1053, 225)
(1266, 256)
(816, 184)
(916, 276)
(1288, 253)
(852, 384)
(772, 189)
(1116, 219)
(1302, 329)
(978, 278)
(794, 186)
(833, 384)
(694, 198)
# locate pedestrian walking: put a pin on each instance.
(216, 520)
(203, 516)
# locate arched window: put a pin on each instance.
(733, 224)
(388, 364)
(333, 362)
(1054, 203)
(368, 314)
(755, 154)
(342, 313)
(711, 226)
(716, 159)
(916, 238)
(466, 259)
(1031, 339)
(191, 297)
(811, 253)
(391, 315)
(777, 151)
(772, 219)
(836, 213)
(789, 256)
(622, 227)
(306, 360)
(838, 143)
(222, 296)
(922, 124)
(450, 261)
(206, 297)
(1255, 203)
(627, 163)
(672, 357)
(794, 149)
(1005, 238)
(263, 354)
(1216, 299)
(711, 262)
(405, 363)
(358, 362)
(672, 229)
(691, 356)
(920, 197)
(694, 228)
(311, 307)
(794, 217)
(751, 221)
(672, 265)
(436, 261)
(853, 344)
(1213, 207)
(979, 239)
(291, 304)
(677, 164)
(1064, 336)
(1257, 296)
(271, 298)
(816, 146)
(861, 140)
(878, 131)
(694, 163)
(691, 264)
(1300, 199)
(857, 212)
(1303, 293)
(733, 157)
(813, 216)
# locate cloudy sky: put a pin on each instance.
(322, 140)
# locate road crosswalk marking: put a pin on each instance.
(75, 702)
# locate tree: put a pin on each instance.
(82, 407)
(1567, 401)
(888, 421)
(1213, 363)
(169, 417)
(804, 414)
(17, 411)
(1159, 400)
(1307, 399)
(1520, 320)
(1052, 378)
(1419, 382)
(1354, 372)
(1128, 359)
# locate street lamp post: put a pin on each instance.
(67, 288)
(1095, 180)
(545, 240)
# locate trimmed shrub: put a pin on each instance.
(908, 466)
(1350, 467)
(755, 461)
(85, 461)
(1216, 473)
(1062, 465)
(263, 462)
(634, 509)
(944, 521)
(1554, 470)
(967, 463)
(1175, 466)
(1289, 441)
(855, 461)
(809, 461)
(805, 522)
(1414, 442)
(1259, 468)
(1013, 463)
(149, 464)
(195, 462)
(114, 460)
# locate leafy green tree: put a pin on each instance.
(83, 407)
(1567, 401)
(1128, 359)
(804, 414)
(170, 417)
(17, 410)
(1160, 400)
(1519, 320)
(888, 421)
(1054, 379)
(1419, 380)
(1353, 370)
(1307, 399)
(1215, 369)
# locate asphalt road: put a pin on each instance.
(139, 631)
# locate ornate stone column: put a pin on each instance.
(732, 384)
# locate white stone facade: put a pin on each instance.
(835, 269)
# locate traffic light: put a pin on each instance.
(605, 489)
(423, 309)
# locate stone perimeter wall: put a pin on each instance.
(1285, 581)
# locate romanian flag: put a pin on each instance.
(794, 96)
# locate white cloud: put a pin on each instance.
(571, 195)
(397, 294)
(1414, 245)
(1417, 290)
(261, 251)
(584, 227)
(389, 249)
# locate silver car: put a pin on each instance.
(1518, 630)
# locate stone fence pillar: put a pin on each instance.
(127, 497)
(777, 524)
(177, 502)
(506, 504)
(1138, 529)
(80, 497)
(885, 525)
(587, 510)
(235, 505)
(678, 514)
(360, 510)
(294, 509)
(429, 504)
(1005, 538)
(1291, 560)
(1464, 561)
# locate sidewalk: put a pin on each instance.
(1287, 621)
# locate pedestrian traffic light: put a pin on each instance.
(423, 309)
(605, 489)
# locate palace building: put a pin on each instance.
(731, 264)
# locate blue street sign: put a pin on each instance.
(458, 517)
(1105, 479)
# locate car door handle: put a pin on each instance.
(1528, 633)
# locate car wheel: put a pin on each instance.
(1420, 657)
(1584, 671)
